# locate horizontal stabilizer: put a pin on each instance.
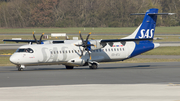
(154, 14)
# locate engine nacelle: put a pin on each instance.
(97, 43)
(77, 62)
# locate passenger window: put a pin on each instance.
(114, 49)
(69, 51)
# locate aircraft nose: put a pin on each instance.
(13, 59)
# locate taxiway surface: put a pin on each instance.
(111, 82)
(119, 73)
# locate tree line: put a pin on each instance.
(83, 13)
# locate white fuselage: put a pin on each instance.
(69, 54)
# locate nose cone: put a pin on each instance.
(13, 59)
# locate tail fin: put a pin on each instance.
(147, 28)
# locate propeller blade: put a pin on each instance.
(81, 37)
(41, 38)
(87, 37)
(90, 45)
(77, 45)
(81, 52)
(34, 37)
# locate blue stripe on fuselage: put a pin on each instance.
(142, 47)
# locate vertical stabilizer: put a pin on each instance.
(147, 28)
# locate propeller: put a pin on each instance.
(38, 42)
(85, 44)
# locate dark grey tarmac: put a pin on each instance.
(119, 73)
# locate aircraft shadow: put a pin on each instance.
(87, 68)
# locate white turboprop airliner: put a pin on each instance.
(88, 52)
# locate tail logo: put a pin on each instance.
(148, 34)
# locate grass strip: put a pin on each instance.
(7, 51)
(4, 61)
(164, 51)
(97, 30)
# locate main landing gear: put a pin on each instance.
(93, 65)
(20, 67)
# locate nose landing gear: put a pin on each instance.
(20, 67)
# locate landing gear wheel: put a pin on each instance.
(69, 67)
(93, 66)
(20, 69)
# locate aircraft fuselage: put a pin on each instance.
(69, 54)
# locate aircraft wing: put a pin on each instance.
(122, 40)
(60, 41)
(8, 40)
(33, 41)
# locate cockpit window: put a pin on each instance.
(27, 50)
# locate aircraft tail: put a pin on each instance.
(145, 31)
(147, 27)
